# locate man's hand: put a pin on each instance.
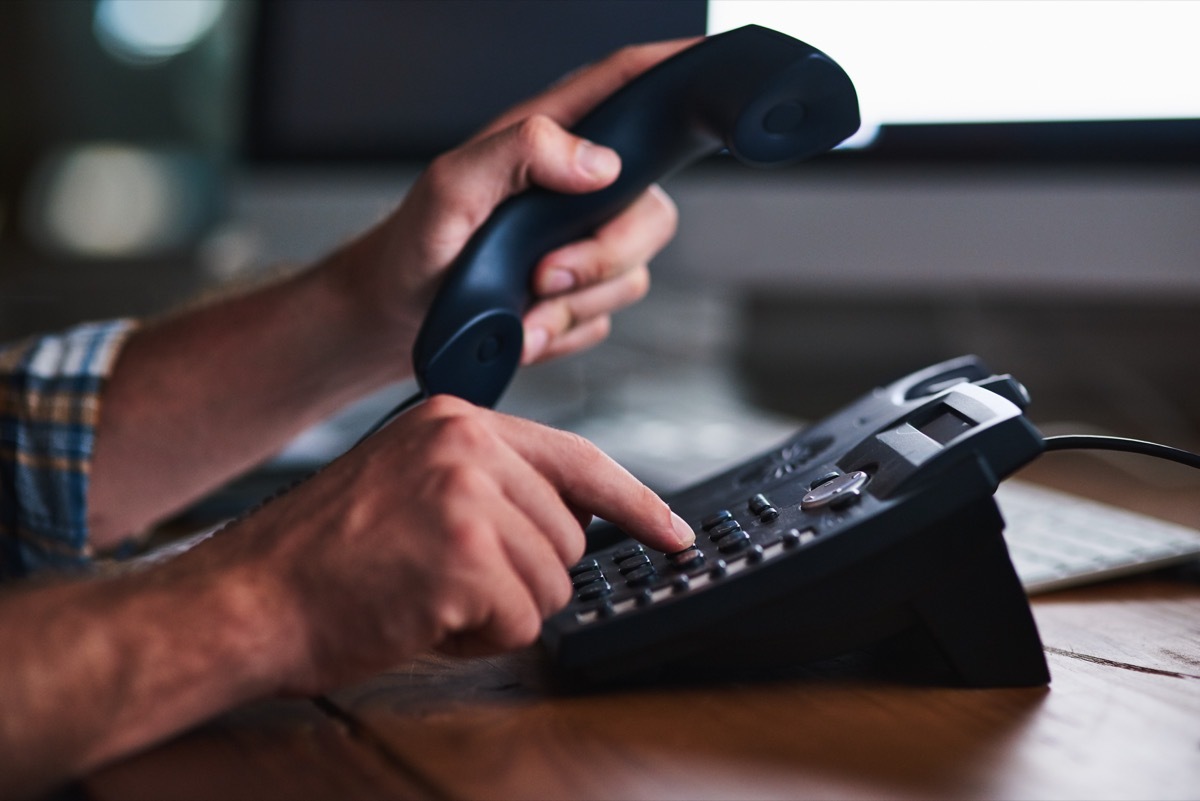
(203, 395)
(396, 267)
(450, 529)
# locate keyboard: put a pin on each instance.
(1057, 540)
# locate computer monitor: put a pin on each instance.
(957, 186)
(1049, 81)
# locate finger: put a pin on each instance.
(472, 180)
(559, 314)
(541, 510)
(588, 479)
(524, 584)
(539, 346)
(581, 319)
(584, 517)
(536, 562)
(512, 621)
(519, 486)
(633, 237)
(577, 93)
(483, 600)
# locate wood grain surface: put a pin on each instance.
(1120, 720)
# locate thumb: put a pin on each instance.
(478, 176)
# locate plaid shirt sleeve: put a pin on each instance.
(49, 404)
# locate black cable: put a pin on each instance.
(397, 410)
(1093, 442)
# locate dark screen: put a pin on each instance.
(944, 424)
(375, 80)
(401, 80)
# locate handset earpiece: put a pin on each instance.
(766, 97)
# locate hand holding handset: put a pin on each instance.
(766, 97)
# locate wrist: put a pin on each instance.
(152, 653)
(254, 628)
(381, 318)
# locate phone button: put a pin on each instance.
(627, 552)
(689, 557)
(582, 579)
(716, 519)
(633, 563)
(758, 504)
(728, 527)
(642, 574)
(597, 589)
(845, 489)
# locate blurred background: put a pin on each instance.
(1026, 187)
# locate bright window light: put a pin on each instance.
(934, 61)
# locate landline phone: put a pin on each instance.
(875, 523)
(878, 520)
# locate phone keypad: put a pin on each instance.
(630, 576)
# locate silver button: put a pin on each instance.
(844, 489)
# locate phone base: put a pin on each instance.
(874, 531)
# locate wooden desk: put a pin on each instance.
(1121, 719)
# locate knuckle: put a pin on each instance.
(443, 407)
(595, 269)
(440, 189)
(457, 431)
(459, 482)
(452, 614)
(440, 178)
(534, 132)
(463, 553)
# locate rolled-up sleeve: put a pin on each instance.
(49, 405)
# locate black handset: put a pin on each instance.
(876, 524)
(766, 97)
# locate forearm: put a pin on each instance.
(97, 669)
(202, 395)
(327, 584)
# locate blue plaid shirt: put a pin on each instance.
(49, 403)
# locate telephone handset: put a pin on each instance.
(766, 97)
(876, 522)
